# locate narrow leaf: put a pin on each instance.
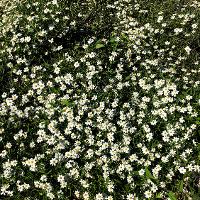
(158, 196)
(181, 186)
(172, 195)
(98, 46)
(148, 174)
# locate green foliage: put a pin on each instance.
(172, 196)
(99, 45)
(99, 97)
(67, 102)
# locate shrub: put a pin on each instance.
(99, 99)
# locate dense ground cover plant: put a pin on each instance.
(99, 99)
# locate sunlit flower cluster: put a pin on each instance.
(99, 100)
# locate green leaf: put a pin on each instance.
(128, 78)
(65, 102)
(172, 196)
(197, 122)
(181, 186)
(98, 46)
(148, 173)
(54, 90)
(112, 40)
(195, 197)
(31, 30)
(69, 103)
(158, 196)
